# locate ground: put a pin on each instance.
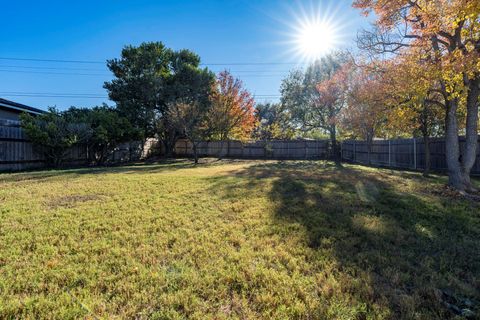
(236, 240)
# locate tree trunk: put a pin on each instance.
(452, 148)
(471, 133)
(169, 144)
(426, 142)
(369, 146)
(333, 139)
(223, 137)
(195, 154)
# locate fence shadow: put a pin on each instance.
(415, 254)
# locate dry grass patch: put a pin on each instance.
(236, 240)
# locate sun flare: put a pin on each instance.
(314, 31)
(316, 39)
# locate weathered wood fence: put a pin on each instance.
(401, 153)
(18, 153)
(271, 149)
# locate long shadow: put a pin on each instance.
(164, 165)
(134, 168)
(415, 254)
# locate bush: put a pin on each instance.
(53, 135)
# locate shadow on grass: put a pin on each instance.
(147, 167)
(414, 254)
(169, 165)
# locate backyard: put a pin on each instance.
(236, 239)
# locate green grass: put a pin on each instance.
(236, 240)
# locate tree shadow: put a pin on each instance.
(62, 173)
(149, 167)
(413, 253)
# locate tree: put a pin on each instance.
(232, 115)
(149, 79)
(315, 97)
(53, 135)
(412, 107)
(189, 119)
(108, 129)
(293, 100)
(332, 98)
(364, 114)
(446, 34)
(188, 84)
(273, 122)
(141, 76)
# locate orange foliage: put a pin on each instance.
(332, 95)
(366, 107)
(233, 109)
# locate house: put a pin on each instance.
(11, 111)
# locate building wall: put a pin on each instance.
(9, 114)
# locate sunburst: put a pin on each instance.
(315, 31)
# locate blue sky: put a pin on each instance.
(221, 32)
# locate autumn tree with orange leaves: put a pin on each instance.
(332, 98)
(232, 114)
(446, 35)
(364, 114)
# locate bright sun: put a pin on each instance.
(313, 31)
(315, 39)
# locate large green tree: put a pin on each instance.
(108, 129)
(149, 79)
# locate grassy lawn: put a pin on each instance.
(241, 240)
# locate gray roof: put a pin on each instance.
(7, 104)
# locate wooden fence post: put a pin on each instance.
(341, 150)
(305, 146)
(415, 153)
(389, 153)
(354, 152)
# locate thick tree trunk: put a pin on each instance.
(471, 133)
(169, 144)
(195, 153)
(333, 139)
(452, 148)
(369, 145)
(223, 138)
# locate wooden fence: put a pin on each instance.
(401, 153)
(272, 149)
(18, 153)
